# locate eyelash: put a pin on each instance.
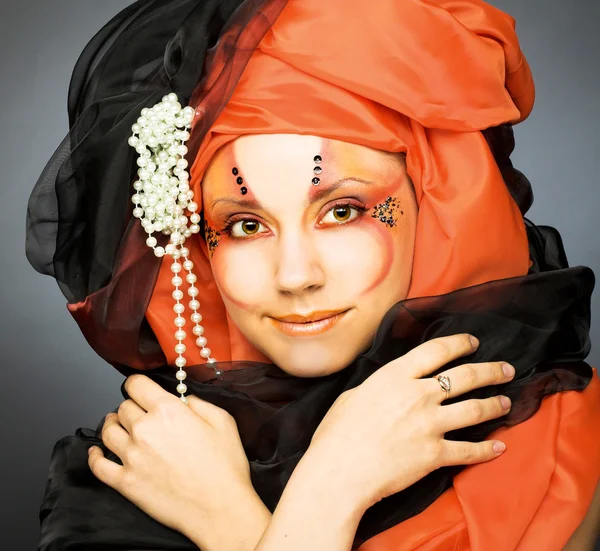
(359, 209)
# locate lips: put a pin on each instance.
(313, 316)
(309, 324)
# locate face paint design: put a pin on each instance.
(314, 252)
(212, 238)
(387, 212)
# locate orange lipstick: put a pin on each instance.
(315, 323)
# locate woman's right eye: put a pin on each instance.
(245, 228)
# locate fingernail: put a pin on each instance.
(90, 449)
(474, 341)
(505, 401)
(499, 447)
(508, 369)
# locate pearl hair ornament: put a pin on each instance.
(161, 194)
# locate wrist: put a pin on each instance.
(314, 512)
(335, 480)
(237, 526)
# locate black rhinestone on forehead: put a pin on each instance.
(239, 180)
(317, 169)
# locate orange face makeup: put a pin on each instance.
(303, 268)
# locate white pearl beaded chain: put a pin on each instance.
(162, 192)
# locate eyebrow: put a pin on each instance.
(316, 194)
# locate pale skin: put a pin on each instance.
(309, 253)
(303, 257)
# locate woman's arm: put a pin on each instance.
(378, 439)
(317, 511)
(237, 529)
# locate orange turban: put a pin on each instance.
(417, 76)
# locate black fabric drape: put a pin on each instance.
(79, 212)
(539, 323)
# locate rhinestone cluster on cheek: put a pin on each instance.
(212, 237)
(162, 192)
(387, 211)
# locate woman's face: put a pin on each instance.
(307, 270)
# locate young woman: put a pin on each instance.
(355, 304)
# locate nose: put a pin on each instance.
(299, 265)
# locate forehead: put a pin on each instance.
(284, 164)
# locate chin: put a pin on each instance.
(313, 360)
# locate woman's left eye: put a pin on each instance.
(341, 213)
(245, 228)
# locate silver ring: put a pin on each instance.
(444, 381)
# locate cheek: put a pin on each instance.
(360, 256)
(240, 272)
(383, 249)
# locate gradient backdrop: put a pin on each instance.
(52, 382)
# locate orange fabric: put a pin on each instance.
(420, 77)
(532, 497)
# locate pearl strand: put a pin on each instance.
(162, 192)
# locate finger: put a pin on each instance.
(130, 413)
(105, 470)
(471, 412)
(213, 415)
(145, 392)
(436, 353)
(464, 378)
(114, 436)
(469, 453)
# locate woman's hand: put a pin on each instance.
(388, 432)
(184, 465)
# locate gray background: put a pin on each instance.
(52, 382)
